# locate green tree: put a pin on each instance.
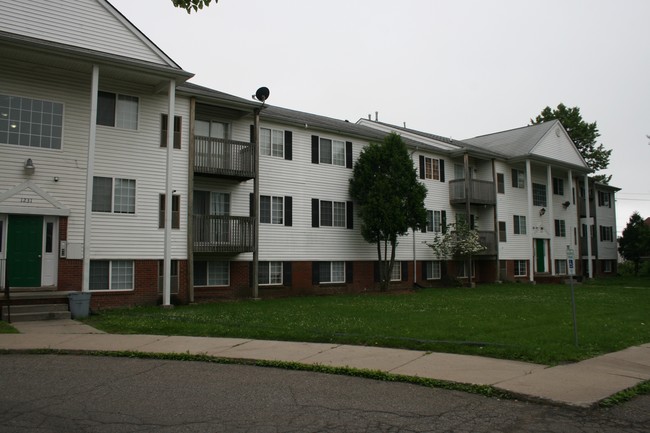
(457, 240)
(192, 5)
(634, 244)
(583, 134)
(389, 197)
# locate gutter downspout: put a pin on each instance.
(167, 266)
(90, 172)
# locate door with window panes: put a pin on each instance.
(215, 154)
(213, 211)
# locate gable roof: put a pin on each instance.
(88, 29)
(535, 142)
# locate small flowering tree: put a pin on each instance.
(458, 240)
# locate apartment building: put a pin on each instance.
(99, 128)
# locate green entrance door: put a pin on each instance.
(540, 253)
(24, 249)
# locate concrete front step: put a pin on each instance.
(24, 313)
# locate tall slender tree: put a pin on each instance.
(192, 5)
(583, 134)
(389, 197)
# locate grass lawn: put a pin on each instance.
(514, 321)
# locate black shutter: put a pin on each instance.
(423, 229)
(348, 272)
(376, 272)
(315, 212)
(514, 178)
(348, 154)
(288, 211)
(443, 221)
(252, 134)
(286, 273)
(442, 170)
(314, 149)
(251, 204)
(421, 167)
(288, 145)
(405, 271)
(350, 215)
(424, 270)
(315, 273)
(471, 221)
(250, 274)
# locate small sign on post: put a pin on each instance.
(571, 270)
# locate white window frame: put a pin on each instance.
(276, 209)
(558, 186)
(46, 133)
(433, 270)
(607, 266)
(335, 154)
(273, 271)
(114, 195)
(340, 271)
(113, 275)
(517, 271)
(560, 228)
(272, 142)
(396, 272)
(519, 224)
(539, 194)
(211, 282)
(461, 267)
(520, 178)
(123, 117)
(431, 168)
(336, 217)
(560, 266)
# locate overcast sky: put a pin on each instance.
(457, 68)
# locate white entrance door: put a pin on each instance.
(50, 251)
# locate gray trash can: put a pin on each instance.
(79, 304)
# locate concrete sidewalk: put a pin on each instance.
(580, 384)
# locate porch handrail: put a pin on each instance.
(221, 156)
(223, 233)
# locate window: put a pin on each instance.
(560, 267)
(272, 142)
(111, 275)
(518, 178)
(176, 214)
(501, 183)
(332, 214)
(432, 270)
(396, 273)
(461, 269)
(604, 199)
(502, 231)
(49, 237)
(521, 268)
(431, 168)
(31, 122)
(434, 221)
(270, 273)
(331, 272)
(178, 120)
(558, 186)
(332, 152)
(211, 273)
(113, 195)
(607, 233)
(539, 194)
(173, 281)
(271, 209)
(607, 266)
(519, 224)
(205, 128)
(560, 228)
(120, 111)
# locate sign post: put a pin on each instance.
(571, 270)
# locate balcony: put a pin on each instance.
(224, 158)
(223, 234)
(480, 192)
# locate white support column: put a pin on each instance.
(588, 217)
(256, 204)
(551, 217)
(90, 172)
(529, 219)
(169, 191)
(571, 211)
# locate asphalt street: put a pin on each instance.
(68, 393)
